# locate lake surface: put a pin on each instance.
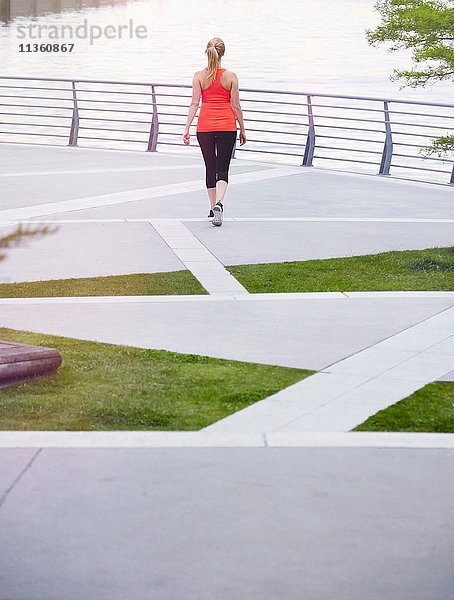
(299, 45)
(314, 46)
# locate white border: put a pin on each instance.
(196, 439)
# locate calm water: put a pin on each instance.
(316, 46)
(300, 45)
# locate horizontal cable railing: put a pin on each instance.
(301, 128)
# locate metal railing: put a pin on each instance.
(378, 135)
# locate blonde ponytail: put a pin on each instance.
(214, 51)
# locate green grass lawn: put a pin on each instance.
(108, 387)
(430, 409)
(138, 284)
(430, 269)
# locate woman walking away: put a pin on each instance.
(216, 126)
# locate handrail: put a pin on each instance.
(157, 107)
(182, 85)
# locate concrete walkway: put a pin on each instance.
(267, 503)
(204, 523)
(346, 393)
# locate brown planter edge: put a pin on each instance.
(20, 362)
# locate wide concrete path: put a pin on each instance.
(270, 513)
(223, 523)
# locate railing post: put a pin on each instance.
(388, 147)
(310, 141)
(74, 133)
(154, 129)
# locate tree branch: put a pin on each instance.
(19, 234)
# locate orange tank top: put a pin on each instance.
(216, 113)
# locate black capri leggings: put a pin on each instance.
(217, 148)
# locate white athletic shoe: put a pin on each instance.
(218, 210)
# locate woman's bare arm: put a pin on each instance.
(235, 98)
(196, 93)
